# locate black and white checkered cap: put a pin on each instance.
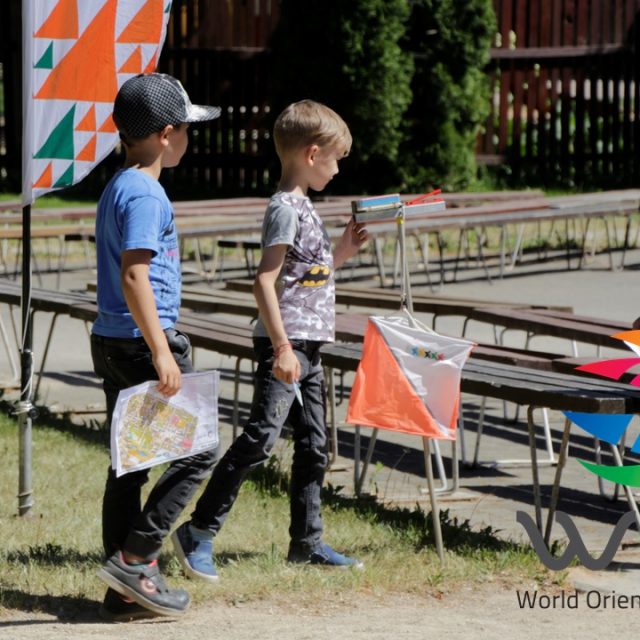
(147, 103)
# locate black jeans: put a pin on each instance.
(275, 403)
(123, 363)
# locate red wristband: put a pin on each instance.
(277, 351)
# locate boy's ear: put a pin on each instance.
(164, 134)
(310, 153)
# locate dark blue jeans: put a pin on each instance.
(123, 363)
(275, 403)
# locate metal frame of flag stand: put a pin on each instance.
(398, 211)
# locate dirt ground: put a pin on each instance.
(491, 611)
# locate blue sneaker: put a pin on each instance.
(323, 555)
(194, 548)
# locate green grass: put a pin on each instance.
(48, 562)
(51, 201)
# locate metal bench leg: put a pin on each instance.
(609, 244)
(62, 260)
(534, 468)
(378, 244)
(479, 240)
(7, 346)
(455, 469)
(87, 253)
(248, 260)
(583, 253)
(441, 245)
(461, 236)
(601, 489)
(517, 247)
(476, 451)
(45, 353)
(503, 241)
(550, 461)
(361, 474)
(463, 448)
(630, 498)
(625, 246)
(423, 246)
(555, 490)
(617, 457)
(547, 435)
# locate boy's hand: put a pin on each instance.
(286, 367)
(169, 375)
(354, 236)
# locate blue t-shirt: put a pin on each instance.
(135, 213)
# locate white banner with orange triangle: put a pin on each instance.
(76, 54)
(408, 379)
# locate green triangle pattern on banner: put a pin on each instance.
(168, 8)
(66, 179)
(46, 61)
(59, 144)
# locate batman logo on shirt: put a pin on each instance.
(317, 276)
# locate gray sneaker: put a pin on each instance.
(144, 584)
(115, 608)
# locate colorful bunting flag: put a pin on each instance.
(611, 427)
(76, 55)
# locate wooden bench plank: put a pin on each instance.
(521, 385)
(543, 324)
(390, 300)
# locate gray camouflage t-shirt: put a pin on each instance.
(306, 285)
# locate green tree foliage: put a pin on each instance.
(348, 56)
(450, 40)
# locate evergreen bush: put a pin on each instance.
(450, 40)
(348, 56)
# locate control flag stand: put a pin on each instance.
(385, 208)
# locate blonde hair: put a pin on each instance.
(308, 122)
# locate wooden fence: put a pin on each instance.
(566, 96)
(565, 103)
(219, 51)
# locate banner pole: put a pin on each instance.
(25, 409)
(405, 284)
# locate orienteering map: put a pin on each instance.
(148, 428)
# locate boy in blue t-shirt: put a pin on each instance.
(134, 340)
(295, 292)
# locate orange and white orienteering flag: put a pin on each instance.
(76, 54)
(408, 379)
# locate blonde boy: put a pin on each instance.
(295, 292)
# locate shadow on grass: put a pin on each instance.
(53, 555)
(414, 525)
(94, 433)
